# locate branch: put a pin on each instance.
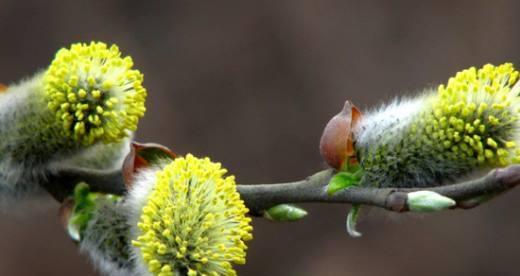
(467, 194)
(61, 184)
(259, 197)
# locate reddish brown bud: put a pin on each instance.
(141, 156)
(336, 144)
(3, 87)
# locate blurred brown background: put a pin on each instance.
(252, 84)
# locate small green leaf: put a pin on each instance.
(352, 220)
(84, 206)
(285, 212)
(350, 167)
(342, 180)
(78, 210)
(81, 191)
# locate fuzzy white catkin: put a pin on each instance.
(386, 126)
(387, 120)
(106, 240)
(389, 156)
(135, 200)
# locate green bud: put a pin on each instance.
(285, 212)
(428, 201)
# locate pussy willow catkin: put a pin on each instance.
(105, 238)
(471, 122)
(79, 111)
(188, 219)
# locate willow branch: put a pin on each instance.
(467, 194)
(259, 197)
(60, 184)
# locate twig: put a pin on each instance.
(61, 184)
(259, 197)
(467, 194)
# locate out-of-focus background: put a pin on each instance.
(252, 84)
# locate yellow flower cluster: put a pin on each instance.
(95, 93)
(194, 221)
(475, 116)
(472, 122)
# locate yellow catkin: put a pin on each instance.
(481, 111)
(194, 221)
(95, 93)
